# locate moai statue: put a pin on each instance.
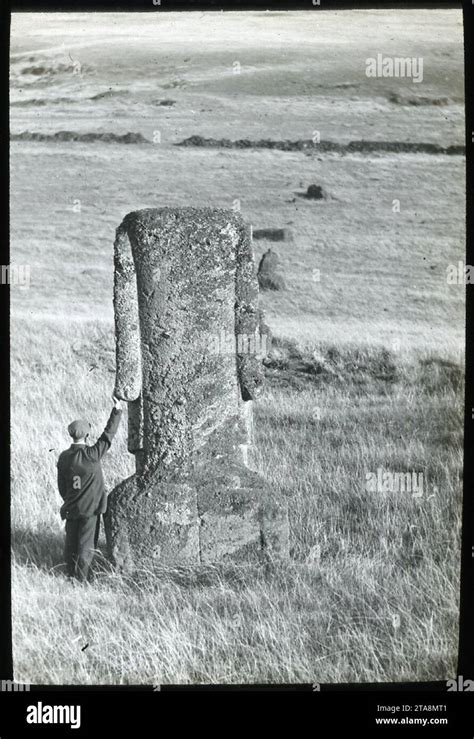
(189, 351)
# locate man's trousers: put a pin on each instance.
(82, 536)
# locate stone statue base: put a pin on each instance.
(226, 516)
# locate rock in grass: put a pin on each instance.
(315, 192)
(273, 234)
(268, 276)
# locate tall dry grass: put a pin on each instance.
(371, 591)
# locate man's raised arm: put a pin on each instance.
(103, 443)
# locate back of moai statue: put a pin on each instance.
(189, 363)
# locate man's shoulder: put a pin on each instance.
(77, 455)
(71, 451)
(89, 455)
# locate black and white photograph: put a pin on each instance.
(237, 347)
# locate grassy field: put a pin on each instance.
(366, 369)
(372, 591)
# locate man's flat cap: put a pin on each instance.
(78, 429)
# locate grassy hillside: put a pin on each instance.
(371, 592)
(366, 368)
(382, 273)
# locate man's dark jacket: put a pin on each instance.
(80, 479)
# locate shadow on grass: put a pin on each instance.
(43, 547)
(223, 576)
(367, 367)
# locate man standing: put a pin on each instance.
(81, 486)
